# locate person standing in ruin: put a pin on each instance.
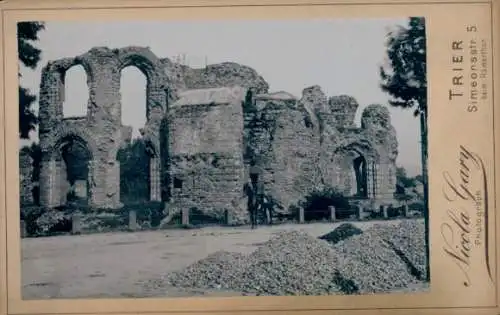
(260, 198)
(251, 203)
(254, 190)
(268, 209)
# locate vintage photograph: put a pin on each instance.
(223, 158)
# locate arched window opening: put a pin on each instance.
(133, 88)
(74, 171)
(134, 158)
(76, 92)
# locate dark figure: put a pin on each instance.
(267, 209)
(251, 203)
(255, 192)
(268, 206)
(260, 198)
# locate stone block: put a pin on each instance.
(132, 220)
(301, 215)
(76, 223)
(185, 216)
(360, 212)
(405, 210)
(385, 212)
(333, 216)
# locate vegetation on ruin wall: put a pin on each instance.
(134, 172)
(41, 221)
(134, 168)
(317, 202)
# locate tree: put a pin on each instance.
(29, 56)
(35, 152)
(76, 158)
(419, 178)
(404, 79)
(403, 179)
(405, 185)
(134, 172)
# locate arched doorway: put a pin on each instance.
(356, 170)
(73, 172)
(359, 166)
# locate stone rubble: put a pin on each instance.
(295, 263)
(341, 233)
(374, 265)
(292, 263)
(218, 270)
(407, 239)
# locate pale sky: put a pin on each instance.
(340, 55)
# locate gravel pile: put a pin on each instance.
(372, 263)
(384, 258)
(291, 263)
(217, 271)
(342, 232)
(408, 240)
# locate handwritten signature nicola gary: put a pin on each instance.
(466, 226)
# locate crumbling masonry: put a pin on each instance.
(203, 128)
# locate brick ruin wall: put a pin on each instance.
(100, 130)
(312, 142)
(301, 143)
(206, 145)
(281, 139)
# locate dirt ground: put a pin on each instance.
(114, 265)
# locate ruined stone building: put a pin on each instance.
(203, 128)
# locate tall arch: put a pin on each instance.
(359, 160)
(69, 131)
(74, 161)
(58, 178)
(156, 106)
(52, 91)
(102, 66)
(75, 92)
(133, 99)
(147, 62)
(360, 168)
